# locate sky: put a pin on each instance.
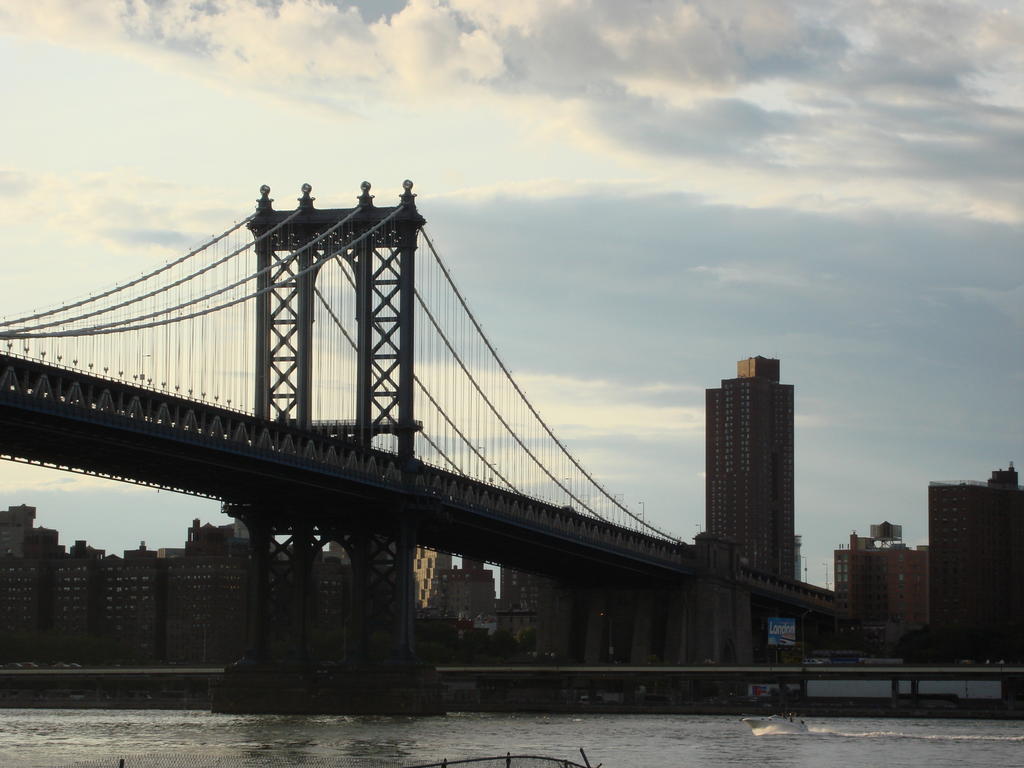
(632, 195)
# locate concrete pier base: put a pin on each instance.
(373, 689)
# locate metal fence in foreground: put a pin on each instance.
(257, 760)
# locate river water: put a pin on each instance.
(52, 738)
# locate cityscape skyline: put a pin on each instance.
(628, 214)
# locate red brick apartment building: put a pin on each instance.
(882, 583)
(976, 536)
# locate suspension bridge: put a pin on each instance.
(319, 372)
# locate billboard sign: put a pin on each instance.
(781, 631)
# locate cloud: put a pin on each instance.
(1008, 301)
(121, 208)
(893, 102)
(588, 408)
(752, 275)
(12, 183)
(425, 43)
(555, 46)
(727, 129)
(108, 225)
(135, 237)
(19, 478)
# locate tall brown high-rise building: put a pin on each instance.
(749, 463)
(976, 541)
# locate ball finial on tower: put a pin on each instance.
(306, 201)
(408, 196)
(264, 203)
(365, 199)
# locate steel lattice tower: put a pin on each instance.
(383, 260)
(379, 245)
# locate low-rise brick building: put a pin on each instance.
(881, 583)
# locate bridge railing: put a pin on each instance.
(87, 397)
(796, 589)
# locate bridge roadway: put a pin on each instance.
(73, 420)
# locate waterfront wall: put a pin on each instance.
(714, 690)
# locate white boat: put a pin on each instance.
(776, 724)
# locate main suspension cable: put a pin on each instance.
(423, 388)
(529, 405)
(136, 324)
(458, 359)
(162, 289)
(132, 283)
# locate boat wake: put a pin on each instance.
(772, 730)
(775, 725)
(950, 737)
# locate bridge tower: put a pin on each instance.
(379, 245)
